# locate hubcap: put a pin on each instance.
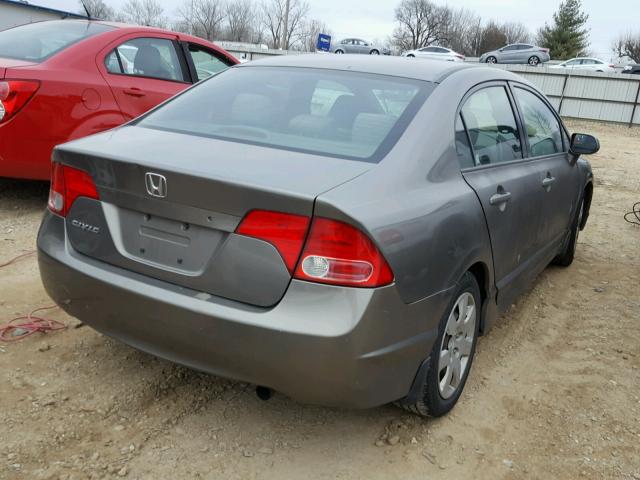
(533, 61)
(455, 350)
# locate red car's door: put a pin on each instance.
(143, 71)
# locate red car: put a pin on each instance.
(66, 79)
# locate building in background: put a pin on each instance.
(14, 13)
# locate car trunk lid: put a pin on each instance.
(170, 204)
(8, 63)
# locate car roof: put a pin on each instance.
(430, 71)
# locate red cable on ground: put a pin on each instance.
(12, 332)
(15, 259)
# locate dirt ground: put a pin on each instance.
(554, 391)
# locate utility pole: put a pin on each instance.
(284, 42)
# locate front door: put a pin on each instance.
(506, 184)
(559, 180)
(145, 71)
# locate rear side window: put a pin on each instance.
(342, 114)
(205, 62)
(492, 127)
(463, 149)
(540, 124)
(36, 42)
(146, 57)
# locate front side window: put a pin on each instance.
(492, 127)
(205, 62)
(342, 114)
(541, 125)
(36, 42)
(146, 57)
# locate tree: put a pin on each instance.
(628, 45)
(240, 25)
(309, 34)
(97, 10)
(420, 23)
(203, 17)
(463, 32)
(272, 19)
(144, 12)
(493, 37)
(516, 32)
(568, 36)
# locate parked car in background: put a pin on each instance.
(65, 79)
(584, 63)
(522, 53)
(436, 53)
(340, 230)
(357, 45)
(632, 69)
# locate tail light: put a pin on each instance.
(611, 65)
(334, 252)
(461, 57)
(340, 254)
(284, 231)
(14, 94)
(67, 184)
(545, 50)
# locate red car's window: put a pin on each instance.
(146, 57)
(36, 42)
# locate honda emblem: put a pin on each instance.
(156, 184)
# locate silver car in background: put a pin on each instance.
(586, 64)
(436, 53)
(357, 45)
(522, 53)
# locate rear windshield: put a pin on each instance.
(344, 114)
(35, 42)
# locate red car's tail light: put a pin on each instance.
(286, 232)
(67, 184)
(14, 94)
(340, 254)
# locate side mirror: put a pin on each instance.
(583, 144)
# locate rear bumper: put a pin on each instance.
(321, 344)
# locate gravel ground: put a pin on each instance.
(553, 392)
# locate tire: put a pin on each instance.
(374, 52)
(411, 55)
(491, 59)
(430, 398)
(565, 258)
(339, 51)
(533, 61)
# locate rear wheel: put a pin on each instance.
(534, 61)
(374, 52)
(568, 253)
(445, 371)
(411, 55)
(339, 51)
(492, 60)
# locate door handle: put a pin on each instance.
(500, 198)
(548, 181)
(134, 92)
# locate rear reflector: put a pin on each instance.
(286, 232)
(67, 184)
(14, 94)
(339, 254)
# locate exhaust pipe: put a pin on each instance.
(263, 393)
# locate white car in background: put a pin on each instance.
(583, 63)
(437, 53)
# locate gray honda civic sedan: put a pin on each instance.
(340, 229)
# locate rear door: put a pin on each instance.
(507, 185)
(509, 54)
(204, 62)
(144, 71)
(547, 146)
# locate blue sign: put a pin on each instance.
(324, 42)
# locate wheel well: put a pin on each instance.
(588, 195)
(480, 272)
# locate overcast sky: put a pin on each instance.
(372, 19)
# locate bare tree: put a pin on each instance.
(97, 9)
(144, 12)
(420, 23)
(463, 31)
(203, 17)
(272, 19)
(516, 32)
(628, 45)
(240, 19)
(493, 37)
